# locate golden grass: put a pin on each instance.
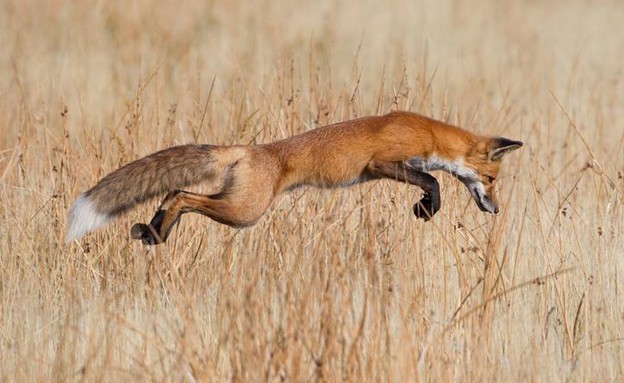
(330, 285)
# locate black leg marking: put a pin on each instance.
(430, 203)
(148, 234)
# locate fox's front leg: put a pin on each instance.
(430, 202)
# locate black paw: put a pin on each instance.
(146, 233)
(426, 208)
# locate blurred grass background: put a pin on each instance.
(338, 285)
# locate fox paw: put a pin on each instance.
(146, 233)
(426, 208)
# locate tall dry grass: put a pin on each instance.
(341, 285)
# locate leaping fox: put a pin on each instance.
(401, 146)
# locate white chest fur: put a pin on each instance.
(455, 167)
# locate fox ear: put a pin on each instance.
(501, 146)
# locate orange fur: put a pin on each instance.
(401, 145)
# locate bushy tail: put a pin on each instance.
(138, 181)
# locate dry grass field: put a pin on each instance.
(331, 285)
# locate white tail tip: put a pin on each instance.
(83, 218)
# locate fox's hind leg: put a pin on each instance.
(247, 190)
(430, 202)
(153, 233)
(230, 211)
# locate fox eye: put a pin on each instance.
(490, 179)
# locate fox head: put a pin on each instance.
(483, 162)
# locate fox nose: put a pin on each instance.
(495, 209)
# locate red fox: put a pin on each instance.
(401, 146)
